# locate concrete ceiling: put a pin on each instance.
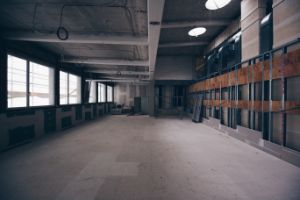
(119, 38)
(189, 14)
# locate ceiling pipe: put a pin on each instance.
(118, 72)
(135, 81)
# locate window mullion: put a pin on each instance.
(27, 83)
(68, 87)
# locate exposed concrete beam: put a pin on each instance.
(99, 61)
(117, 72)
(76, 38)
(155, 14)
(182, 24)
(126, 78)
(135, 81)
(182, 44)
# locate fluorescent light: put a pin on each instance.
(216, 4)
(195, 32)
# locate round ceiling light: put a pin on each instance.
(195, 32)
(216, 4)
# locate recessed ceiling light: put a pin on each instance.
(195, 32)
(216, 4)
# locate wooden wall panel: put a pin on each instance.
(290, 106)
(289, 63)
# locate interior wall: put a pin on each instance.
(124, 94)
(18, 126)
(286, 28)
(175, 68)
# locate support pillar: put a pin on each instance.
(252, 12)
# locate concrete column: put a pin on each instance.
(286, 21)
(286, 28)
(252, 11)
(151, 98)
(3, 76)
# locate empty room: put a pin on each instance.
(149, 100)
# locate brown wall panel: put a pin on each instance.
(287, 65)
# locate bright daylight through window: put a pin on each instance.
(69, 88)
(41, 83)
(92, 92)
(16, 82)
(109, 93)
(101, 93)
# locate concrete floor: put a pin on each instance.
(144, 158)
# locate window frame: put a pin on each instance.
(99, 93)
(95, 92)
(50, 80)
(112, 94)
(28, 60)
(68, 87)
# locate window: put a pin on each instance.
(101, 93)
(63, 88)
(92, 92)
(109, 93)
(69, 88)
(41, 87)
(74, 89)
(16, 82)
(28, 85)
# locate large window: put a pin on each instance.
(69, 88)
(63, 88)
(101, 93)
(92, 92)
(28, 83)
(109, 93)
(41, 85)
(16, 82)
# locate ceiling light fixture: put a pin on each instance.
(195, 32)
(216, 4)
